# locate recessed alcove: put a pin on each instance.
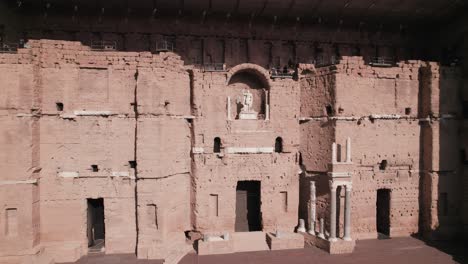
(248, 93)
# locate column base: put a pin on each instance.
(302, 230)
(347, 239)
(311, 232)
(334, 239)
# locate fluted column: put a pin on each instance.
(332, 213)
(347, 217)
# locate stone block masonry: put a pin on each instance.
(162, 149)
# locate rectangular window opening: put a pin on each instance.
(94, 168)
(59, 106)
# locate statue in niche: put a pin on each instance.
(247, 101)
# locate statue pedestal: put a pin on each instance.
(248, 115)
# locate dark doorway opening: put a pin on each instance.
(96, 229)
(248, 215)
(383, 213)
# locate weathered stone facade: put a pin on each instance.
(162, 139)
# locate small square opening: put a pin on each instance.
(407, 110)
(59, 106)
(95, 168)
(383, 165)
(132, 164)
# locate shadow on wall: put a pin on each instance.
(441, 162)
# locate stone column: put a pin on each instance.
(332, 213)
(347, 216)
(348, 150)
(322, 229)
(312, 209)
(228, 108)
(301, 227)
(267, 106)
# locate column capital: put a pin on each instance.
(349, 187)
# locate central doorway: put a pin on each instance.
(248, 216)
(383, 213)
(95, 227)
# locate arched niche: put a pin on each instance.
(248, 79)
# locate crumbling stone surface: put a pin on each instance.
(416, 146)
(164, 144)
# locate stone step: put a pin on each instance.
(249, 241)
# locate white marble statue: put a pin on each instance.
(247, 101)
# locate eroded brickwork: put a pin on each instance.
(164, 144)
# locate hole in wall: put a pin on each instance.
(383, 165)
(278, 145)
(407, 110)
(217, 145)
(59, 106)
(329, 110)
(132, 164)
(95, 168)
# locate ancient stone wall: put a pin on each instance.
(247, 147)
(441, 163)
(392, 116)
(140, 131)
(19, 218)
(71, 133)
(163, 156)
